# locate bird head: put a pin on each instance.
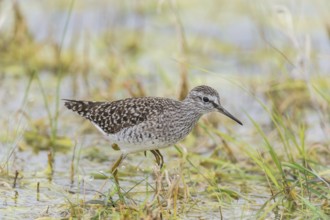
(207, 99)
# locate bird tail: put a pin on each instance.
(83, 108)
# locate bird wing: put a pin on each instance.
(112, 117)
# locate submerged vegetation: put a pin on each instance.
(270, 64)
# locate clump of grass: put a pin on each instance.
(291, 177)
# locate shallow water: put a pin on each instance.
(225, 40)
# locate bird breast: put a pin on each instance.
(161, 131)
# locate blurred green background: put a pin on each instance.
(269, 60)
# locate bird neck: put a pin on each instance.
(191, 109)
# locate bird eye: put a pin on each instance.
(205, 99)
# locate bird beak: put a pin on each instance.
(225, 112)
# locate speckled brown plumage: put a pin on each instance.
(149, 123)
(114, 116)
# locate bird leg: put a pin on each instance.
(156, 156)
(159, 158)
(114, 168)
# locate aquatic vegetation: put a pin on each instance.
(269, 61)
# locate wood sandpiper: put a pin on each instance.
(148, 123)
